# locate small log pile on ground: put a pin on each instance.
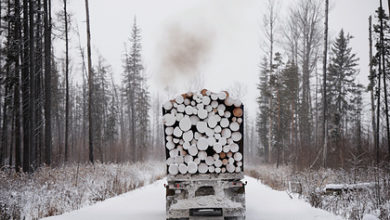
(203, 133)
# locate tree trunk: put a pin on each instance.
(26, 91)
(372, 76)
(47, 33)
(383, 56)
(90, 85)
(66, 82)
(325, 115)
(18, 39)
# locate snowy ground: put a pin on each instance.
(148, 203)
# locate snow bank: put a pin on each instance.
(356, 198)
(52, 191)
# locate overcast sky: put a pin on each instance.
(228, 34)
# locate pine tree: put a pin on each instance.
(132, 86)
(262, 101)
(341, 86)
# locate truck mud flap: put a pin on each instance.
(206, 212)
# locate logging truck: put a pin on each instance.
(204, 156)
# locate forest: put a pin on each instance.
(313, 115)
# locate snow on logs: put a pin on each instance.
(203, 133)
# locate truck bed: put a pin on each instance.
(208, 176)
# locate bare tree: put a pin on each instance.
(371, 85)
(325, 123)
(90, 85)
(66, 80)
(48, 59)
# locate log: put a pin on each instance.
(194, 111)
(230, 141)
(183, 169)
(169, 130)
(194, 119)
(192, 167)
(170, 145)
(201, 126)
(237, 112)
(234, 147)
(239, 120)
(218, 163)
(197, 161)
(211, 141)
(230, 168)
(209, 108)
(202, 155)
(231, 160)
(234, 126)
(203, 92)
(206, 100)
(212, 121)
(222, 155)
(217, 136)
(217, 147)
(169, 161)
(221, 113)
(173, 153)
(187, 101)
(214, 96)
(188, 110)
(179, 116)
(173, 169)
(168, 105)
(227, 114)
(224, 123)
(202, 144)
(188, 158)
(169, 138)
(169, 119)
(222, 95)
(239, 163)
(186, 145)
(179, 99)
(209, 160)
(236, 136)
(216, 157)
(193, 103)
(181, 108)
(177, 132)
(229, 101)
(217, 170)
(226, 148)
(209, 132)
(179, 159)
(188, 136)
(229, 154)
(237, 103)
(222, 141)
(193, 150)
(223, 170)
(226, 133)
(211, 169)
(203, 168)
(197, 135)
(237, 156)
(214, 104)
(202, 113)
(199, 106)
(238, 169)
(185, 123)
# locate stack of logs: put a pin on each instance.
(204, 133)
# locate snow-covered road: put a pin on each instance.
(148, 203)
